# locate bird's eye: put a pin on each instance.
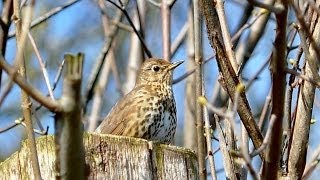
(156, 68)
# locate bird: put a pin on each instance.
(148, 111)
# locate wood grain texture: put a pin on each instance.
(110, 157)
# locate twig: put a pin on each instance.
(42, 65)
(154, 3)
(218, 111)
(7, 10)
(122, 25)
(208, 135)
(166, 29)
(103, 78)
(311, 166)
(46, 16)
(7, 89)
(277, 66)
(225, 34)
(198, 88)
(275, 9)
(266, 139)
(189, 127)
(124, 11)
(306, 93)
(22, 29)
(308, 34)
(16, 123)
(237, 35)
(179, 39)
(245, 49)
(229, 75)
(248, 164)
(264, 110)
(187, 74)
(254, 77)
(55, 82)
(31, 91)
(171, 3)
(302, 76)
(94, 75)
(248, 10)
(227, 160)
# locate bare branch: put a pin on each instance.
(31, 91)
(42, 65)
(46, 16)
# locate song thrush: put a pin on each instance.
(149, 110)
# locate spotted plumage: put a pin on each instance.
(149, 110)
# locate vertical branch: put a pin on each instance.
(230, 79)
(136, 53)
(42, 65)
(199, 82)
(190, 136)
(227, 159)
(277, 66)
(5, 21)
(94, 75)
(166, 22)
(70, 154)
(208, 135)
(22, 29)
(245, 49)
(103, 77)
(301, 129)
(225, 34)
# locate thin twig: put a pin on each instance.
(275, 9)
(311, 166)
(31, 91)
(16, 123)
(124, 11)
(94, 75)
(55, 82)
(179, 39)
(225, 34)
(227, 159)
(254, 77)
(237, 35)
(154, 3)
(302, 76)
(46, 16)
(42, 65)
(266, 139)
(7, 10)
(187, 74)
(264, 110)
(103, 78)
(208, 135)
(307, 32)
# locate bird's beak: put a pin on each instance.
(174, 65)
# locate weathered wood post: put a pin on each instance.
(110, 157)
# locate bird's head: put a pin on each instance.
(155, 71)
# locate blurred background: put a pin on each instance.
(84, 27)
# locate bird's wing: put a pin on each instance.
(120, 115)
